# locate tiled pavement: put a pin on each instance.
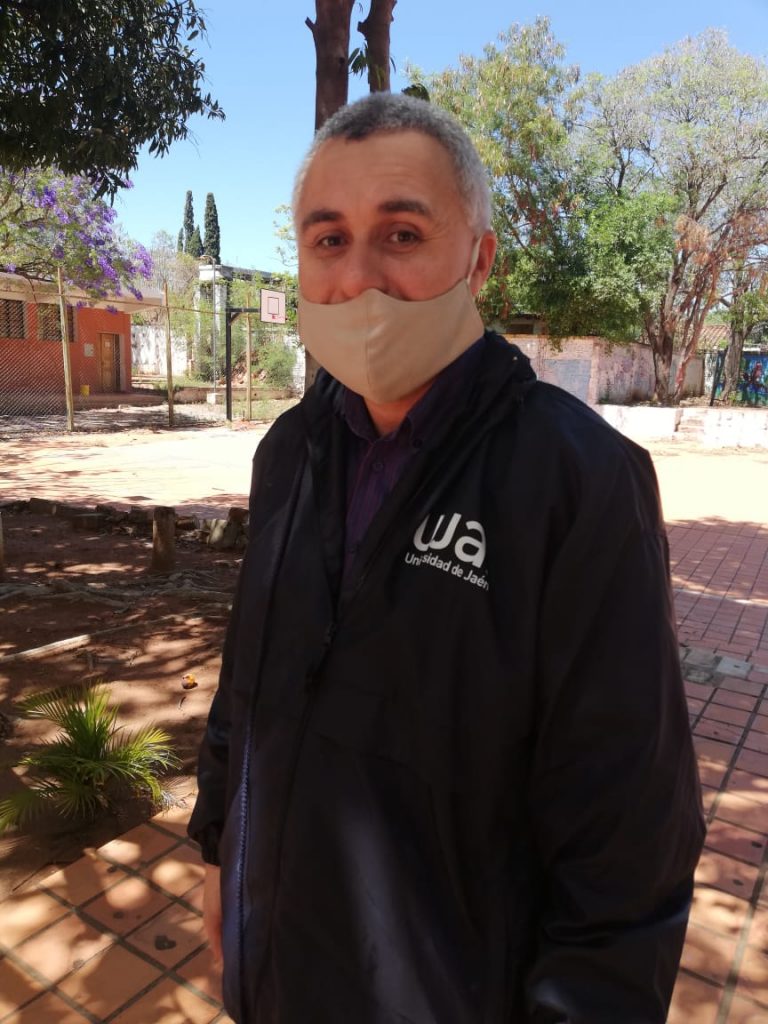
(116, 937)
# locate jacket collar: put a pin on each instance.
(497, 390)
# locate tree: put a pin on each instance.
(84, 85)
(49, 221)
(746, 302)
(180, 241)
(188, 224)
(374, 56)
(330, 32)
(693, 123)
(195, 247)
(212, 243)
(517, 103)
(175, 269)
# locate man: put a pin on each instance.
(447, 775)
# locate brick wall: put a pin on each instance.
(33, 363)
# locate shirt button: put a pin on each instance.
(377, 466)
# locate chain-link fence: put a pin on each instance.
(32, 358)
(177, 364)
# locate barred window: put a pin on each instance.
(49, 322)
(12, 319)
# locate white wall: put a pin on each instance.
(148, 350)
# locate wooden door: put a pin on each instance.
(109, 362)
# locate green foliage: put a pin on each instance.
(195, 247)
(188, 223)
(418, 91)
(273, 356)
(277, 361)
(85, 84)
(90, 763)
(628, 246)
(180, 241)
(212, 242)
(622, 206)
(691, 122)
(286, 235)
(517, 103)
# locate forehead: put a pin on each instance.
(387, 165)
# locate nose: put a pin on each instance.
(359, 269)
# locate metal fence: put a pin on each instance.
(176, 365)
(32, 358)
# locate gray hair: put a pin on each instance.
(385, 112)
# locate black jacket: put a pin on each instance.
(461, 789)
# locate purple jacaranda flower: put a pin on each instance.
(112, 309)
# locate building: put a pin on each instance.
(31, 355)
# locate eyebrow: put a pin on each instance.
(405, 206)
(320, 216)
(324, 215)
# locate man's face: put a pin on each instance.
(385, 213)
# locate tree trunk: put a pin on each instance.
(330, 31)
(662, 365)
(661, 348)
(375, 31)
(732, 366)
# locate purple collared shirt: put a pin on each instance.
(375, 464)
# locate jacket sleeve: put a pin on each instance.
(207, 820)
(614, 793)
(210, 811)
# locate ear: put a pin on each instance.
(486, 254)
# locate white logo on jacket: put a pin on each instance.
(463, 542)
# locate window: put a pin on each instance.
(12, 319)
(49, 324)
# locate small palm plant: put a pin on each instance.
(89, 762)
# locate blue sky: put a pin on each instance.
(260, 65)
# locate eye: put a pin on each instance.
(404, 236)
(329, 241)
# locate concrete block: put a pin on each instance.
(42, 506)
(699, 675)
(87, 522)
(698, 658)
(139, 515)
(736, 667)
(70, 511)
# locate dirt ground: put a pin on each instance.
(137, 632)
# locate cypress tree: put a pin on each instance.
(195, 247)
(180, 242)
(212, 243)
(189, 222)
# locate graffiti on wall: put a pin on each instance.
(752, 388)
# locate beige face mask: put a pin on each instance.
(385, 348)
